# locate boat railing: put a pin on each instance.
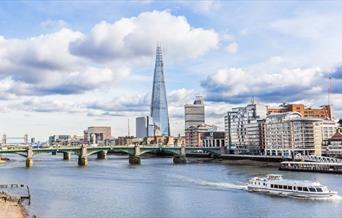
(319, 159)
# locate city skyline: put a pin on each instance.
(60, 74)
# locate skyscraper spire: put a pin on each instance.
(159, 108)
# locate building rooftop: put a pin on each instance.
(337, 136)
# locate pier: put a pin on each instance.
(262, 158)
(15, 192)
(311, 167)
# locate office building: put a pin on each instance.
(194, 113)
(159, 108)
(144, 127)
(244, 128)
(214, 139)
(59, 140)
(323, 112)
(194, 135)
(97, 135)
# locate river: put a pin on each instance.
(157, 188)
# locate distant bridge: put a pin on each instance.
(134, 152)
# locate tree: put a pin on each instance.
(340, 122)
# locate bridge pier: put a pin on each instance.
(181, 158)
(83, 156)
(102, 155)
(66, 155)
(29, 157)
(135, 158)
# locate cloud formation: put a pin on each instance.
(69, 62)
(236, 85)
(43, 65)
(136, 37)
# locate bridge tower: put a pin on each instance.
(29, 157)
(83, 156)
(181, 158)
(135, 158)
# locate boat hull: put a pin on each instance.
(296, 194)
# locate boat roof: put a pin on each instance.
(305, 183)
(311, 163)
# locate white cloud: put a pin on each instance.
(228, 37)
(232, 48)
(53, 25)
(316, 34)
(43, 65)
(206, 7)
(136, 37)
(237, 85)
(51, 105)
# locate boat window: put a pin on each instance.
(319, 189)
(275, 186)
(271, 185)
(280, 186)
(285, 186)
(264, 184)
(312, 189)
(305, 189)
(289, 187)
(300, 188)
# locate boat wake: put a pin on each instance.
(220, 185)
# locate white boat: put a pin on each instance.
(276, 185)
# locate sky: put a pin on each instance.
(67, 65)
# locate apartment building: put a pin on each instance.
(288, 134)
(244, 128)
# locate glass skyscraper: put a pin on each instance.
(159, 109)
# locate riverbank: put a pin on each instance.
(10, 207)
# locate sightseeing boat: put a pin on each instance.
(276, 185)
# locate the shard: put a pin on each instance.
(159, 109)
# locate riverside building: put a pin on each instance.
(323, 112)
(194, 113)
(244, 128)
(288, 134)
(195, 134)
(214, 139)
(97, 135)
(334, 145)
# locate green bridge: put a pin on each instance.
(134, 152)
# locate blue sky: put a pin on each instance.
(66, 65)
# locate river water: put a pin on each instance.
(157, 188)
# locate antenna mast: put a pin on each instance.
(329, 90)
(329, 100)
(128, 128)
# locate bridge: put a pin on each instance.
(134, 152)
